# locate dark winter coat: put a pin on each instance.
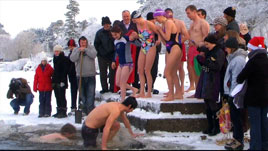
(20, 88)
(246, 37)
(132, 26)
(233, 25)
(42, 78)
(104, 44)
(256, 74)
(60, 70)
(71, 65)
(209, 82)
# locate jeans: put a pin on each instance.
(74, 87)
(105, 64)
(16, 103)
(45, 102)
(87, 96)
(259, 128)
(236, 119)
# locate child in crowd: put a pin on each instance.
(67, 132)
(125, 61)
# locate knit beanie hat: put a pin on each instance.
(230, 11)
(105, 20)
(57, 48)
(231, 43)
(256, 43)
(211, 38)
(220, 21)
(135, 14)
(159, 12)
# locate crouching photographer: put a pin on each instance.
(22, 91)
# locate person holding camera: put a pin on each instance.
(23, 94)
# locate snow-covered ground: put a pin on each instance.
(7, 117)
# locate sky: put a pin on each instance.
(19, 15)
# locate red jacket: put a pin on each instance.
(42, 79)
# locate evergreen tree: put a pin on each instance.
(71, 26)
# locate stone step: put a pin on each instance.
(185, 106)
(167, 122)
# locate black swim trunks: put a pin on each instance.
(90, 135)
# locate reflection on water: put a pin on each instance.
(18, 137)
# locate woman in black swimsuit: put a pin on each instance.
(168, 34)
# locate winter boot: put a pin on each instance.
(57, 114)
(62, 113)
(210, 122)
(216, 126)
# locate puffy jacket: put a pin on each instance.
(42, 78)
(60, 70)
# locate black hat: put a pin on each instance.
(211, 38)
(231, 43)
(230, 11)
(150, 16)
(105, 20)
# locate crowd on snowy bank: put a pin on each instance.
(130, 49)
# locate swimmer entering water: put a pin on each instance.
(103, 118)
(67, 132)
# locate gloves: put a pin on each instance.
(62, 84)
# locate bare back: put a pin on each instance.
(181, 28)
(198, 31)
(97, 118)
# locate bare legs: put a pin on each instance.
(171, 74)
(192, 75)
(145, 64)
(122, 75)
(181, 75)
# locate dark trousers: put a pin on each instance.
(60, 97)
(258, 127)
(104, 65)
(74, 88)
(137, 79)
(235, 113)
(45, 102)
(88, 86)
(16, 103)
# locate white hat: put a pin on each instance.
(57, 48)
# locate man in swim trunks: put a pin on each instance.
(104, 117)
(198, 31)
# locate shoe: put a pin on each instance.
(40, 116)
(62, 113)
(234, 145)
(25, 114)
(103, 91)
(16, 112)
(155, 91)
(46, 115)
(57, 114)
(72, 112)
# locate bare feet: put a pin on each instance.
(148, 95)
(141, 95)
(190, 89)
(166, 93)
(135, 91)
(192, 96)
(178, 96)
(168, 98)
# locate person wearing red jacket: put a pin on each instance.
(43, 84)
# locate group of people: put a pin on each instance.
(130, 48)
